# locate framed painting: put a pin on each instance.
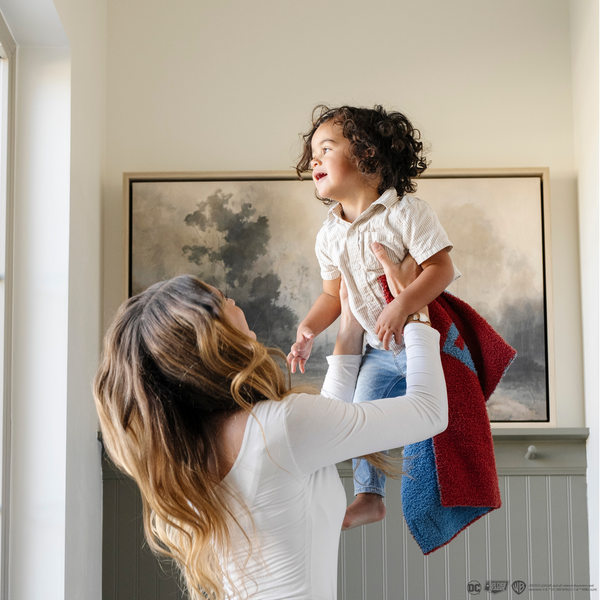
(252, 234)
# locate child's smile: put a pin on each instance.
(331, 164)
(334, 172)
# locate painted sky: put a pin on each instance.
(496, 228)
(495, 225)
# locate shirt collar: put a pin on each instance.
(389, 197)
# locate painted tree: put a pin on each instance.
(230, 243)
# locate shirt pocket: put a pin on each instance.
(390, 244)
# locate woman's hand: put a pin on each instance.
(350, 335)
(399, 276)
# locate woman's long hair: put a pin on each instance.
(173, 368)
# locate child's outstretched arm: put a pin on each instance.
(437, 274)
(323, 313)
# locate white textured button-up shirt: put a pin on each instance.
(402, 225)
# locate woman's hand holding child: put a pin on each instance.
(392, 319)
(399, 276)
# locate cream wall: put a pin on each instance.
(85, 26)
(584, 55)
(55, 511)
(194, 86)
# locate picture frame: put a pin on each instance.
(497, 219)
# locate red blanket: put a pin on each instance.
(474, 359)
(464, 453)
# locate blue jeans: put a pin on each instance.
(381, 375)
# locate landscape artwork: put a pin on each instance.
(254, 239)
(496, 226)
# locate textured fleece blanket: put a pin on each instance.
(451, 478)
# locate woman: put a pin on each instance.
(237, 471)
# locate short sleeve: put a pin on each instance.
(423, 234)
(329, 269)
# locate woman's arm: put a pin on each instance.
(323, 431)
(344, 364)
(347, 354)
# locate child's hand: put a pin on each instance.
(390, 323)
(301, 349)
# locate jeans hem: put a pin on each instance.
(369, 490)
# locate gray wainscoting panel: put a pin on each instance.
(130, 571)
(539, 536)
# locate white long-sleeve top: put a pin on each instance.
(285, 475)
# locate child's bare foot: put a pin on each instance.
(367, 508)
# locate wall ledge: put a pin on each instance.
(531, 433)
(558, 451)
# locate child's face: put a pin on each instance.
(335, 174)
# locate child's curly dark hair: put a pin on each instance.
(382, 143)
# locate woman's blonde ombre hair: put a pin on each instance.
(173, 367)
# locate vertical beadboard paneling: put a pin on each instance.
(129, 546)
(559, 530)
(415, 568)
(505, 491)
(341, 588)
(130, 570)
(497, 539)
(538, 536)
(517, 511)
(156, 579)
(110, 539)
(458, 576)
(405, 541)
(394, 556)
(373, 560)
(447, 572)
(478, 562)
(353, 545)
(579, 534)
(384, 561)
(539, 532)
(168, 582)
(436, 575)
(146, 571)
